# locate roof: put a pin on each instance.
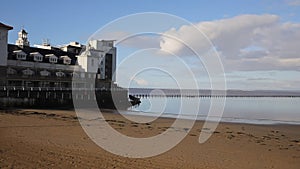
(2, 25)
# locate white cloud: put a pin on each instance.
(293, 2)
(140, 81)
(249, 46)
(245, 42)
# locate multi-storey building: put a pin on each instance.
(48, 66)
(47, 69)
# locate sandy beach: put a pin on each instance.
(55, 139)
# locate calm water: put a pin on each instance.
(258, 110)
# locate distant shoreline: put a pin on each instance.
(212, 93)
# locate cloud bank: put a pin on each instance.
(293, 2)
(250, 46)
(245, 42)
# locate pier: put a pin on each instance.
(203, 96)
(189, 93)
(14, 96)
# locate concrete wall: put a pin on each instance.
(3, 46)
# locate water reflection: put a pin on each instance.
(262, 110)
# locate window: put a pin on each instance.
(45, 73)
(11, 71)
(20, 55)
(52, 58)
(60, 74)
(37, 56)
(66, 60)
(92, 62)
(28, 72)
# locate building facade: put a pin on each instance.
(48, 66)
(47, 75)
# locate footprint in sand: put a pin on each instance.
(231, 136)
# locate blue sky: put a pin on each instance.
(62, 22)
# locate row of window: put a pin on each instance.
(29, 72)
(20, 55)
(45, 73)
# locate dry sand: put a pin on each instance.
(54, 139)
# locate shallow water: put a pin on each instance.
(257, 110)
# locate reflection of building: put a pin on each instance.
(44, 67)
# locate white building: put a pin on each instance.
(100, 58)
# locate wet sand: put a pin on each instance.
(55, 139)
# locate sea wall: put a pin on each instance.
(62, 98)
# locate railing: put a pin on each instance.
(4, 88)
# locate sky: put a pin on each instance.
(257, 41)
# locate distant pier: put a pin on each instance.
(191, 93)
(204, 96)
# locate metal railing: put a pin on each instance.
(4, 88)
